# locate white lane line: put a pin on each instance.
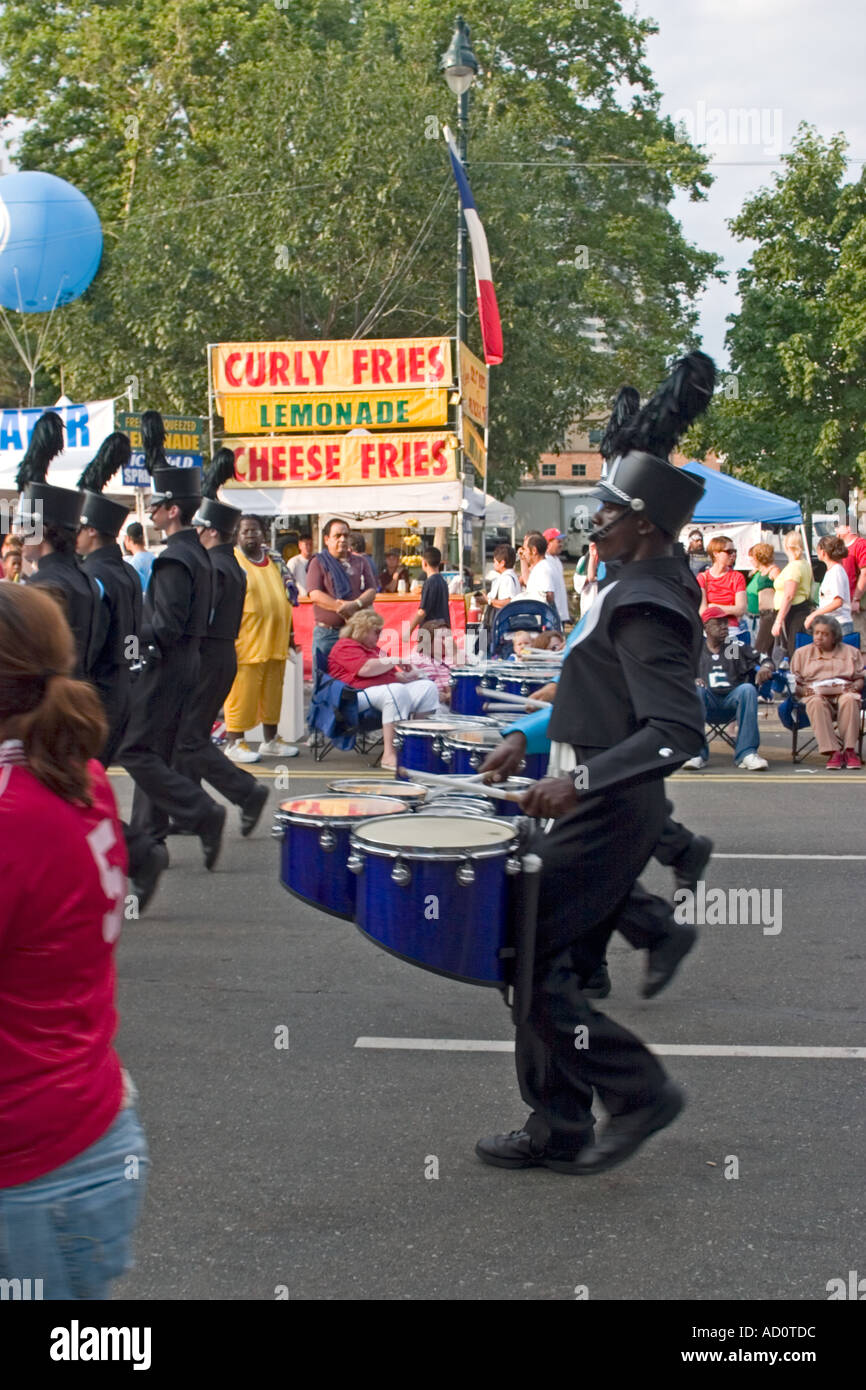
(789, 856)
(661, 1049)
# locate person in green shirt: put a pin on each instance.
(760, 613)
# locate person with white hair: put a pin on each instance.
(396, 691)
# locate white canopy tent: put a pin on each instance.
(432, 504)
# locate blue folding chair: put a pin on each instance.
(792, 712)
(335, 719)
(521, 615)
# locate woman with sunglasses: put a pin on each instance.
(721, 585)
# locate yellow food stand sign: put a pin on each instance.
(334, 410)
(313, 461)
(473, 386)
(378, 364)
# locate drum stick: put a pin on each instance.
(437, 779)
(503, 701)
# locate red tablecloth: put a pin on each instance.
(396, 609)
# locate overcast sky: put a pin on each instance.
(793, 60)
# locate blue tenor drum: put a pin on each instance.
(466, 749)
(411, 792)
(315, 849)
(456, 803)
(437, 891)
(468, 684)
(522, 682)
(420, 742)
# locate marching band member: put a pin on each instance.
(196, 756)
(177, 611)
(100, 523)
(626, 714)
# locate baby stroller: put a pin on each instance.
(521, 615)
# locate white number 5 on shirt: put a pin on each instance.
(112, 879)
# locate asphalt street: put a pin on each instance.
(329, 1170)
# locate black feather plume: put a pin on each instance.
(625, 409)
(46, 442)
(680, 399)
(112, 454)
(222, 468)
(153, 440)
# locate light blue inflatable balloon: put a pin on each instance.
(50, 242)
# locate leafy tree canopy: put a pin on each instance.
(266, 171)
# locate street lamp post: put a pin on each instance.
(460, 67)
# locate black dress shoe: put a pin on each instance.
(665, 958)
(516, 1150)
(252, 808)
(598, 984)
(624, 1134)
(144, 885)
(689, 868)
(211, 835)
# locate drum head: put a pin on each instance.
(486, 737)
(428, 728)
(340, 808)
(445, 834)
(412, 792)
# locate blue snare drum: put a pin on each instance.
(436, 891)
(511, 784)
(466, 696)
(523, 682)
(535, 766)
(455, 803)
(315, 849)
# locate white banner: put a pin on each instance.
(86, 426)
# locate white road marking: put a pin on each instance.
(789, 856)
(661, 1049)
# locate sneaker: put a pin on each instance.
(851, 758)
(837, 760)
(241, 752)
(278, 748)
(695, 764)
(752, 763)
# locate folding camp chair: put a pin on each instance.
(792, 712)
(336, 721)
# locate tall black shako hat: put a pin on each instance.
(637, 442)
(97, 511)
(211, 512)
(168, 484)
(56, 506)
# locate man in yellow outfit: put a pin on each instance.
(262, 646)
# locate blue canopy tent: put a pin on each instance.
(727, 500)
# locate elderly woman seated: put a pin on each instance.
(396, 690)
(829, 676)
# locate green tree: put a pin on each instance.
(798, 342)
(265, 172)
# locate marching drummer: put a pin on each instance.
(626, 714)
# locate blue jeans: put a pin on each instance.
(741, 704)
(72, 1229)
(323, 641)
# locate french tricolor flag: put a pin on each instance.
(488, 309)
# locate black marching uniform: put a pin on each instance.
(82, 601)
(112, 672)
(195, 755)
(177, 610)
(626, 703)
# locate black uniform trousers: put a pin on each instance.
(115, 694)
(646, 920)
(566, 1048)
(161, 695)
(195, 756)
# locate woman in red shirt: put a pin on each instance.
(722, 585)
(395, 690)
(72, 1153)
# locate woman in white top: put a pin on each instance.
(834, 595)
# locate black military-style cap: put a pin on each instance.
(665, 495)
(102, 514)
(217, 515)
(175, 485)
(55, 506)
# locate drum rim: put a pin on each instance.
(285, 818)
(449, 854)
(354, 782)
(461, 741)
